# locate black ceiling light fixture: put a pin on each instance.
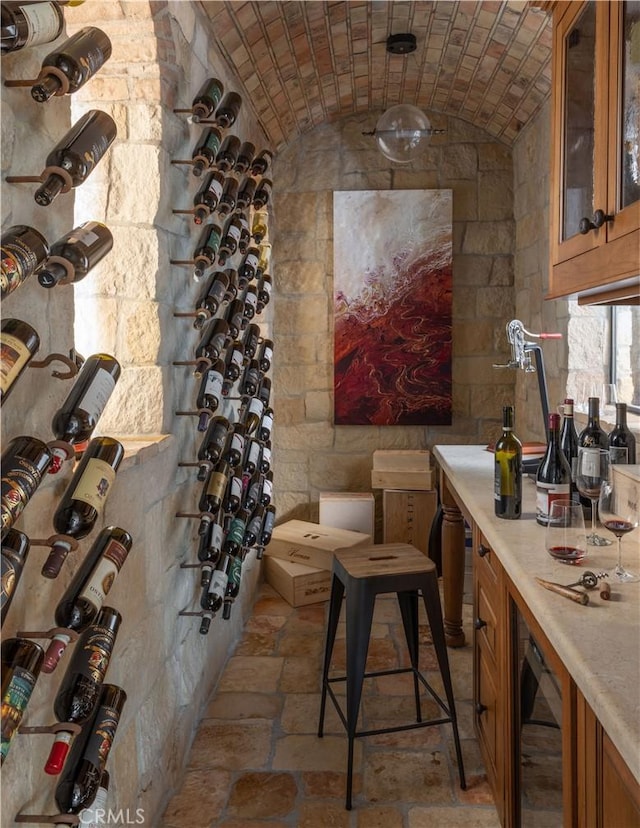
(401, 44)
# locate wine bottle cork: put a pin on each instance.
(605, 591)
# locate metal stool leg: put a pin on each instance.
(335, 604)
(431, 598)
(408, 602)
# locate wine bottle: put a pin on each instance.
(227, 110)
(262, 194)
(264, 390)
(230, 238)
(211, 298)
(235, 318)
(213, 443)
(24, 463)
(592, 435)
(245, 235)
(251, 340)
(234, 448)
(210, 546)
(251, 413)
(214, 341)
(79, 784)
(250, 302)
(266, 424)
(232, 287)
(248, 267)
(205, 253)
(206, 199)
(267, 525)
(259, 225)
(265, 457)
(251, 378)
(233, 366)
(210, 393)
(204, 154)
(72, 160)
(264, 259)
(83, 501)
(206, 100)
(75, 254)
(266, 492)
(553, 478)
(254, 526)
(622, 443)
(233, 492)
(18, 344)
(252, 450)
(253, 491)
(260, 163)
(93, 816)
(235, 570)
(227, 155)
(246, 191)
(214, 488)
(21, 663)
(213, 593)
(77, 417)
(79, 693)
(507, 485)
(23, 251)
(83, 598)
(265, 355)
(29, 25)
(228, 199)
(15, 548)
(265, 285)
(569, 443)
(245, 157)
(72, 64)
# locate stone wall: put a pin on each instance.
(161, 54)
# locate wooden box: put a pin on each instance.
(391, 460)
(407, 517)
(628, 481)
(402, 470)
(298, 584)
(348, 510)
(311, 544)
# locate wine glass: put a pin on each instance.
(565, 535)
(591, 472)
(619, 515)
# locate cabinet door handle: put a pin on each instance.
(478, 624)
(600, 218)
(480, 708)
(483, 550)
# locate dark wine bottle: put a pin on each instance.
(230, 238)
(23, 251)
(246, 191)
(622, 443)
(266, 424)
(265, 457)
(265, 286)
(79, 784)
(251, 378)
(238, 527)
(592, 435)
(24, 463)
(93, 816)
(262, 194)
(252, 450)
(15, 548)
(254, 526)
(265, 355)
(232, 288)
(251, 413)
(266, 492)
(211, 298)
(553, 478)
(245, 235)
(248, 267)
(253, 491)
(233, 366)
(251, 340)
(213, 443)
(267, 525)
(205, 253)
(214, 488)
(210, 393)
(205, 201)
(75, 420)
(250, 302)
(29, 25)
(213, 593)
(234, 448)
(79, 693)
(233, 493)
(507, 479)
(72, 160)
(204, 154)
(206, 100)
(259, 225)
(235, 318)
(21, 663)
(245, 157)
(227, 155)
(214, 341)
(18, 344)
(228, 199)
(260, 163)
(83, 598)
(83, 501)
(569, 443)
(264, 390)
(72, 64)
(227, 110)
(210, 546)
(75, 254)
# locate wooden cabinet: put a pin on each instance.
(595, 180)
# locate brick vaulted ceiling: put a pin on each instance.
(305, 63)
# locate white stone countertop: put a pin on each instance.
(599, 644)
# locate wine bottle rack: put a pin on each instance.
(50, 633)
(47, 819)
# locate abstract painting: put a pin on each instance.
(392, 307)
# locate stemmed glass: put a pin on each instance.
(591, 472)
(619, 515)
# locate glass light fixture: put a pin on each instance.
(403, 133)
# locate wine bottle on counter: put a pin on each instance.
(260, 163)
(233, 366)
(77, 417)
(246, 191)
(72, 64)
(210, 393)
(230, 238)
(213, 592)
(19, 342)
(75, 254)
(265, 286)
(23, 251)
(213, 444)
(24, 463)
(622, 443)
(205, 253)
(507, 479)
(204, 154)
(84, 597)
(93, 816)
(74, 158)
(569, 442)
(25, 25)
(79, 693)
(21, 663)
(245, 235)
(259, 225)
(262, 194)
(228, 109)
(83, 501)
(205, 201)
(245, 157)
(593, 435)
(229, 197)
(206, 100)
(227, 155)
(210, 545)
(83, 770)
(215, 339)
(553, 478)
(15, 548)
(211, 298)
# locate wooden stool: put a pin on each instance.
(360, 574)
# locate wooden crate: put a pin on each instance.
(409, 460)
(409, 480)
(348, 510)
(311, 544)
(407, 517)
(298, 584)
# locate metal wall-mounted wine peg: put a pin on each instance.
(48, 819)
(72, 635)
(186, 314)
(185, 262)
(57, 727)
(74, 363)
(23, 179)
(15, 82)
(183, 212)
(188, 161)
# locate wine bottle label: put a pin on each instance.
(217, 485)
(618, 454)
(109, 564)
(266, 458)
(256, 406)
(591, 462)
(18, 484)
(11, 569)
(236, 535)
(219, 582)
(237, 444)
(43, 23)
(213, 385)
(99, 743)
(235, 492)
(213, 238)
(235, 571)
(216, 537)
(97, 394)
(251, 261)
(14, 701)
(267, 488)
(86, 237)
(15, 355)
(267, 529)
(267, 353)
(251, 299)
(213, 141)
(546, 493)
(237, 357)
(96, 653)
(94, 484)
(18, 262)
(234, 232)
(254, 453)
(267, 422)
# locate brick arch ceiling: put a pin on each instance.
(305, 63)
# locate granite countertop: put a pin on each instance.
(599, 643)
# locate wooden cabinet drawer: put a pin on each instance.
(485, 621)
(485, 562)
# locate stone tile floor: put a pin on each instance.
(256, 759)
